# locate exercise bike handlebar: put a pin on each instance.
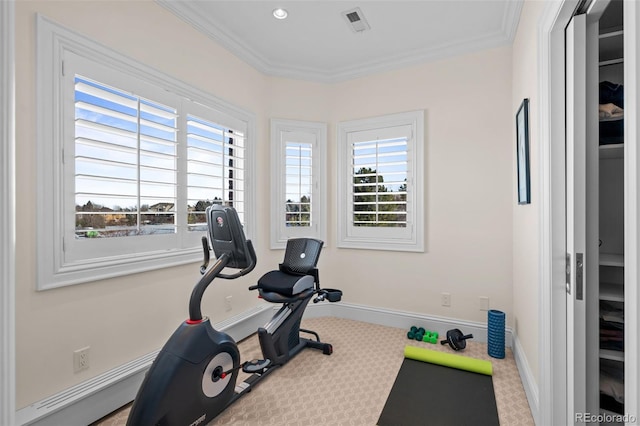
(205, 249)
(195, 312)
(244, 271)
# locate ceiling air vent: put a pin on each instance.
(356, 20)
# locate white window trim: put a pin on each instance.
(53, 41)
(415, 199)
(280, 233)
(7, 219)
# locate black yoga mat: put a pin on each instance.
(429, 394)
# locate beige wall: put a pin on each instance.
(526, 218)
(121, 318)
(468, 193)
(468, 183)
(467, 189)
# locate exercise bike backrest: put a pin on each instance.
(301, 257)
(227, 238)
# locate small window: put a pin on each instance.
(299, 200)
(381, 183)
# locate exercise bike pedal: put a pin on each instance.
(327, 349)
(255, 365)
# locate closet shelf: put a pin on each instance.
(612, 355)
(611, 32)
(611, 47)
(612, 292)
(612, 151)
(612, 259)
(611, 62)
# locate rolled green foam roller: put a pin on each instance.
(449, 360)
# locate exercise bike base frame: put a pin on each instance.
(194, 377)
(281, 344)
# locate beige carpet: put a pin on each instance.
(351, 386)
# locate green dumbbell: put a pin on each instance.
(412, 332)
(419, 334)
(430, 337)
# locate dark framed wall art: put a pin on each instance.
(522, 150)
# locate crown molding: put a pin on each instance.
(185, 11)
(511, 19)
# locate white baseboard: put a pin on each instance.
(95, 398)
(401, 319)
(528, 381)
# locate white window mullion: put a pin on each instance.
(182, 199)
(138, 195)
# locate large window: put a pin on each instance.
(381, 183)
(128, 161)
(298, 205)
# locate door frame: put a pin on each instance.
(632, 209)
(552, 387)
(7, 213)
(552, 310)
(576, 194)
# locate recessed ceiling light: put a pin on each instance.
(280, 13)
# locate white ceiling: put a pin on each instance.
(316, 43)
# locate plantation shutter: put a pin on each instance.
(379, 173)
(216, 164)
(380, 180)
(125, 163)
(298, 178)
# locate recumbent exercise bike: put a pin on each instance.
(193, 378)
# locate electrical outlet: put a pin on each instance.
(81, 359)
(227, 303)
(484, 303)
(445, 299)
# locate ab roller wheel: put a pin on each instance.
(456, 339)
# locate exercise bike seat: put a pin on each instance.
(297, 274)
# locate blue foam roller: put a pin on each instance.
(495, 333)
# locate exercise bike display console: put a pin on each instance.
(193, 378)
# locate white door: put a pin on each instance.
(582, 210)
(576, 214)
(632, 210)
